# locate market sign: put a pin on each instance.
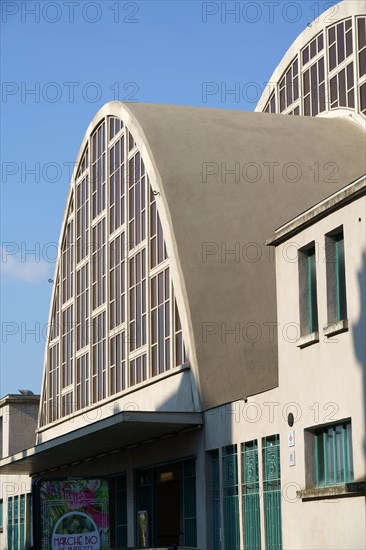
(74, 514)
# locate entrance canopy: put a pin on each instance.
(121, 431)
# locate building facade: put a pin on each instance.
(18, 423)
(213, 383)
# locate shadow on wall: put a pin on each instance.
(359, 333)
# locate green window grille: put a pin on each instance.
(230, 498)
(189, 503)
(272, 492)
(333, 455)
(250, 496)
(1, 513)
(216, 513)
(121, 511)
(311, 290)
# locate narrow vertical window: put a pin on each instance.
(250, 489)
(272, 491)
(308, 294)
(231, 498)
(336, 277)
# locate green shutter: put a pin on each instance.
(251, 505)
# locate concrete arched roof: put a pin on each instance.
(338, 12)
(227, 301)
(227, 293)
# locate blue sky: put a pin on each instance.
(76, 56)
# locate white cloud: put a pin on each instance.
(28, 269)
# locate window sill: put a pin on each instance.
(308, 340)
(350, 489)
(335, 328)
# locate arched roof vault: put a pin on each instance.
(206, 212)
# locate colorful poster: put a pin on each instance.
(75, 514)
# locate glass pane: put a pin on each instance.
(340, 477)
(331, 35)
(349, 43)
(362, 63)
(332, 57)
(330, 449)
(342, 88)
(312, 49)
(340, 42)
(350, 79)
(320, 42)
(350, 473)
(361, 24)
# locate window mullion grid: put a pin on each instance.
(355, 62)
(171, 327)
(148, 278)
(88, 394)
(127, 259)
(74, 302)
(107, 228)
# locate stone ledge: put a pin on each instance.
(308, 340)
(351, 489)
(335, 328)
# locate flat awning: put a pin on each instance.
(120, 431)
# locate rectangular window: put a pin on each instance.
(98, 171)
(251, 502)
(336, 276)
(98, 264)
(160, 322)
(272, 491)
(121, 511)
(333, 454)
(308, 294)
(117, 363)
(216, 505)
(19, 526)
(1, 514)
(98, 365)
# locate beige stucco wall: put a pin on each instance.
(322, 383)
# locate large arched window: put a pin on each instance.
(115, 322)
